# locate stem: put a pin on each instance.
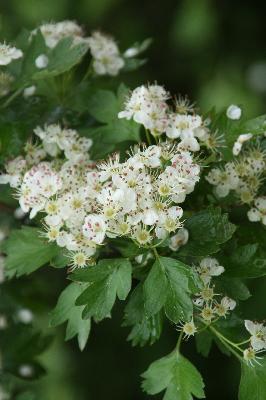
(244, 342)
(148, 136)
(225, 339)
(12, 97)
(178, 344)
(155, 252)
(227, 343)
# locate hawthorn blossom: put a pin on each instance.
(106, 56)
(8, 54)
(258, 213)
(29, 91)
(24, 315)
(183, 126)
(226, 304)
(55, 139)
(42, 61)
(147, 106)
(224, 179)
(83, 203)
(258, 335)
(233, 112)
(94, 228)
(14, 172)
(240, 141)
(188, 328)
(138, 197)
(208, 268)
(38, 184)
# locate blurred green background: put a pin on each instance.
(214, 52)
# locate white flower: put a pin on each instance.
(240, 141)
(178, 240)
(233, 112)
(42, 61)
(189, 329)
(25, 370)
(249, 356)
(147, 106)
(29, 91)
(244, 137)
(38, 184)
(258, 213)
(258, 335)
(94, 228)
(15, 169)
(224, 180)
(237, 148)
(55, 138)
(106, 55)
(8, 53)
(227, 304)
(131, 52)
(208, 268)
(181, 125)
(25, 316)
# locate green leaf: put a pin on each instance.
(64, 56)
(144, 329)
(155, 288)
(178, 304)
(108, 279)
(232, 287)
(169, 284)
(26, 251)
(123, 277)
(37, 47)
(208, 229)
(103, 106)
(253, 381)
(12, 138)
(247, 261)
(256, 126)
(175, 374)
(66, 310)
(99, 298)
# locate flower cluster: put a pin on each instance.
(83, 203)
(206, 300)
(54, 32)
(106, 56)
(243, 176)
(208, 307)
(138, 198)
(148, 105)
